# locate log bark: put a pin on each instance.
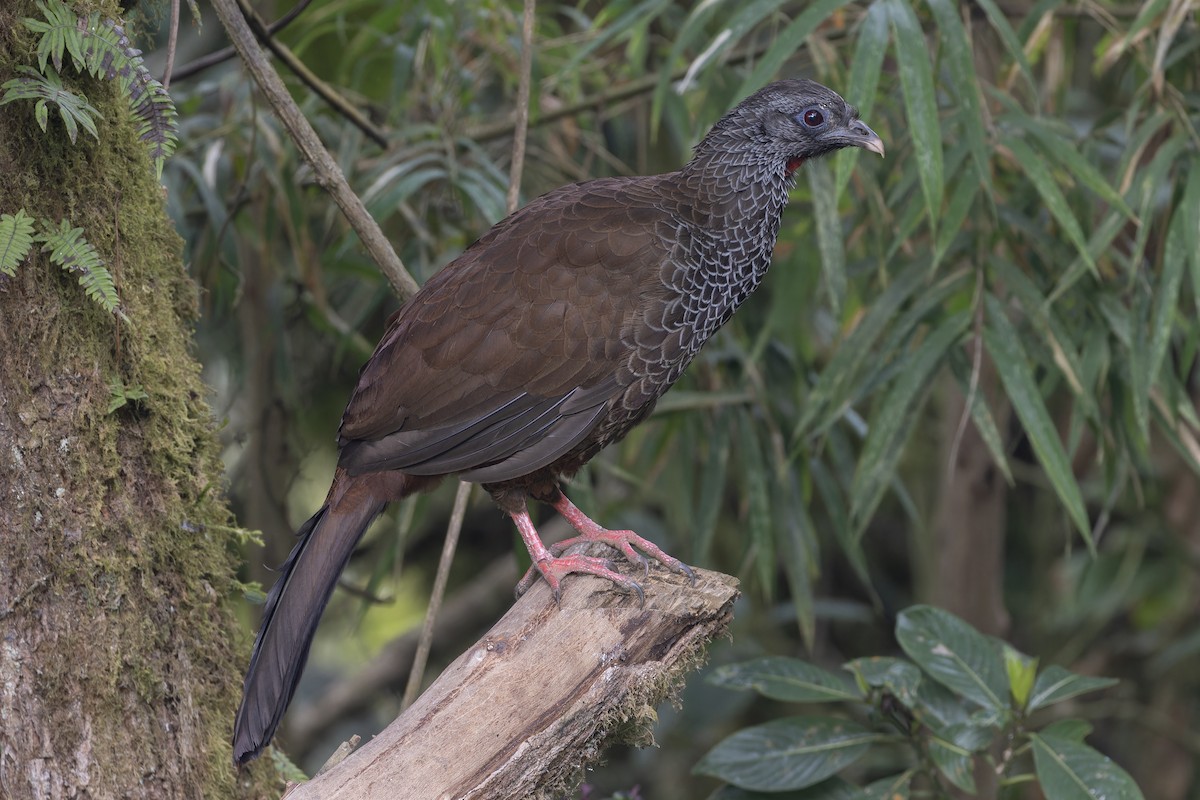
(524, 710)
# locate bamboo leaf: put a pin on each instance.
(961, 74)
(865, 69)
(1008, 38)
(1000, 338)
(920, 104)
(897, 412)
(1038, 172)
(785, 44)
(829, 232)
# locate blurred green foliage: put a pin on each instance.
(1031, 244)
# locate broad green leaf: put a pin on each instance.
(895, 417)
(1166, 301)
(786, 679)
(894, 788)
(1012, 364)
(1074, 729)
(831, 789)
(790, 753)
(920, 104)
(954, 654)
(956, 763)
(1021, 670)
(1039, 173)
(1069, 770)
(960, 63)
(1056, 683)
(785, 43)
(829, 233)
(898, 677)
(865, 69)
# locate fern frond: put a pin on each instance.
(16, 237)
(59, 31)
(73, 253)
(101, 48)
(75, 110)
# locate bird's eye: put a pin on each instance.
(812, 118)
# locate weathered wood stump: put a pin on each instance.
(520, 713)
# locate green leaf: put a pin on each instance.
(1021, 670)
(865, 69)
(786, 679)
(1190, 206)
(800, 552)
(829, 233)
(832, 789)
(1013, 366)
(956, 763)
(1069, 770)
(1146, 366)
(960, 64)
(981, 414)
(16, 239)
(954, 654)
(1056, 684)
(712, 485)
(895, 787)
(1074, 729)
(920, 104)
(830, 396)
(785, 43)
(758, 474)
(788, 753)
(896, 676)
(1040, 175)
(895, 417)
(1008, 38)
(1066, 151)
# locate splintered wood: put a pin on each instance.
(528, 706)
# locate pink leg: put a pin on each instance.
(550, 562)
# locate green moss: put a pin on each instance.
(144, 551)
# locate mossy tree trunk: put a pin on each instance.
(121, 661)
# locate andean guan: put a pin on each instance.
(546, 340)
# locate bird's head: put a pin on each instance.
(788, 122)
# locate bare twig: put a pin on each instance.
(439, 591)
(320, 87)
(522, 121)
(225, 53)
(172, 40)
(326, 170)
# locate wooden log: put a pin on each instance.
(524, 710)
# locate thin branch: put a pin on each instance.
(225, 53)
(323, 90)
(172, 40)
(523, 100)
(439, 591)
(326, 170)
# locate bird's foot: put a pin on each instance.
(552, 565)
(553, 568)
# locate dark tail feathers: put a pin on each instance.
(292, 612)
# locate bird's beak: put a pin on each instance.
(864, 137)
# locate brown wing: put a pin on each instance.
(509, 356)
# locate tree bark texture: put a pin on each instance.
(520, 713)
(121, 659)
